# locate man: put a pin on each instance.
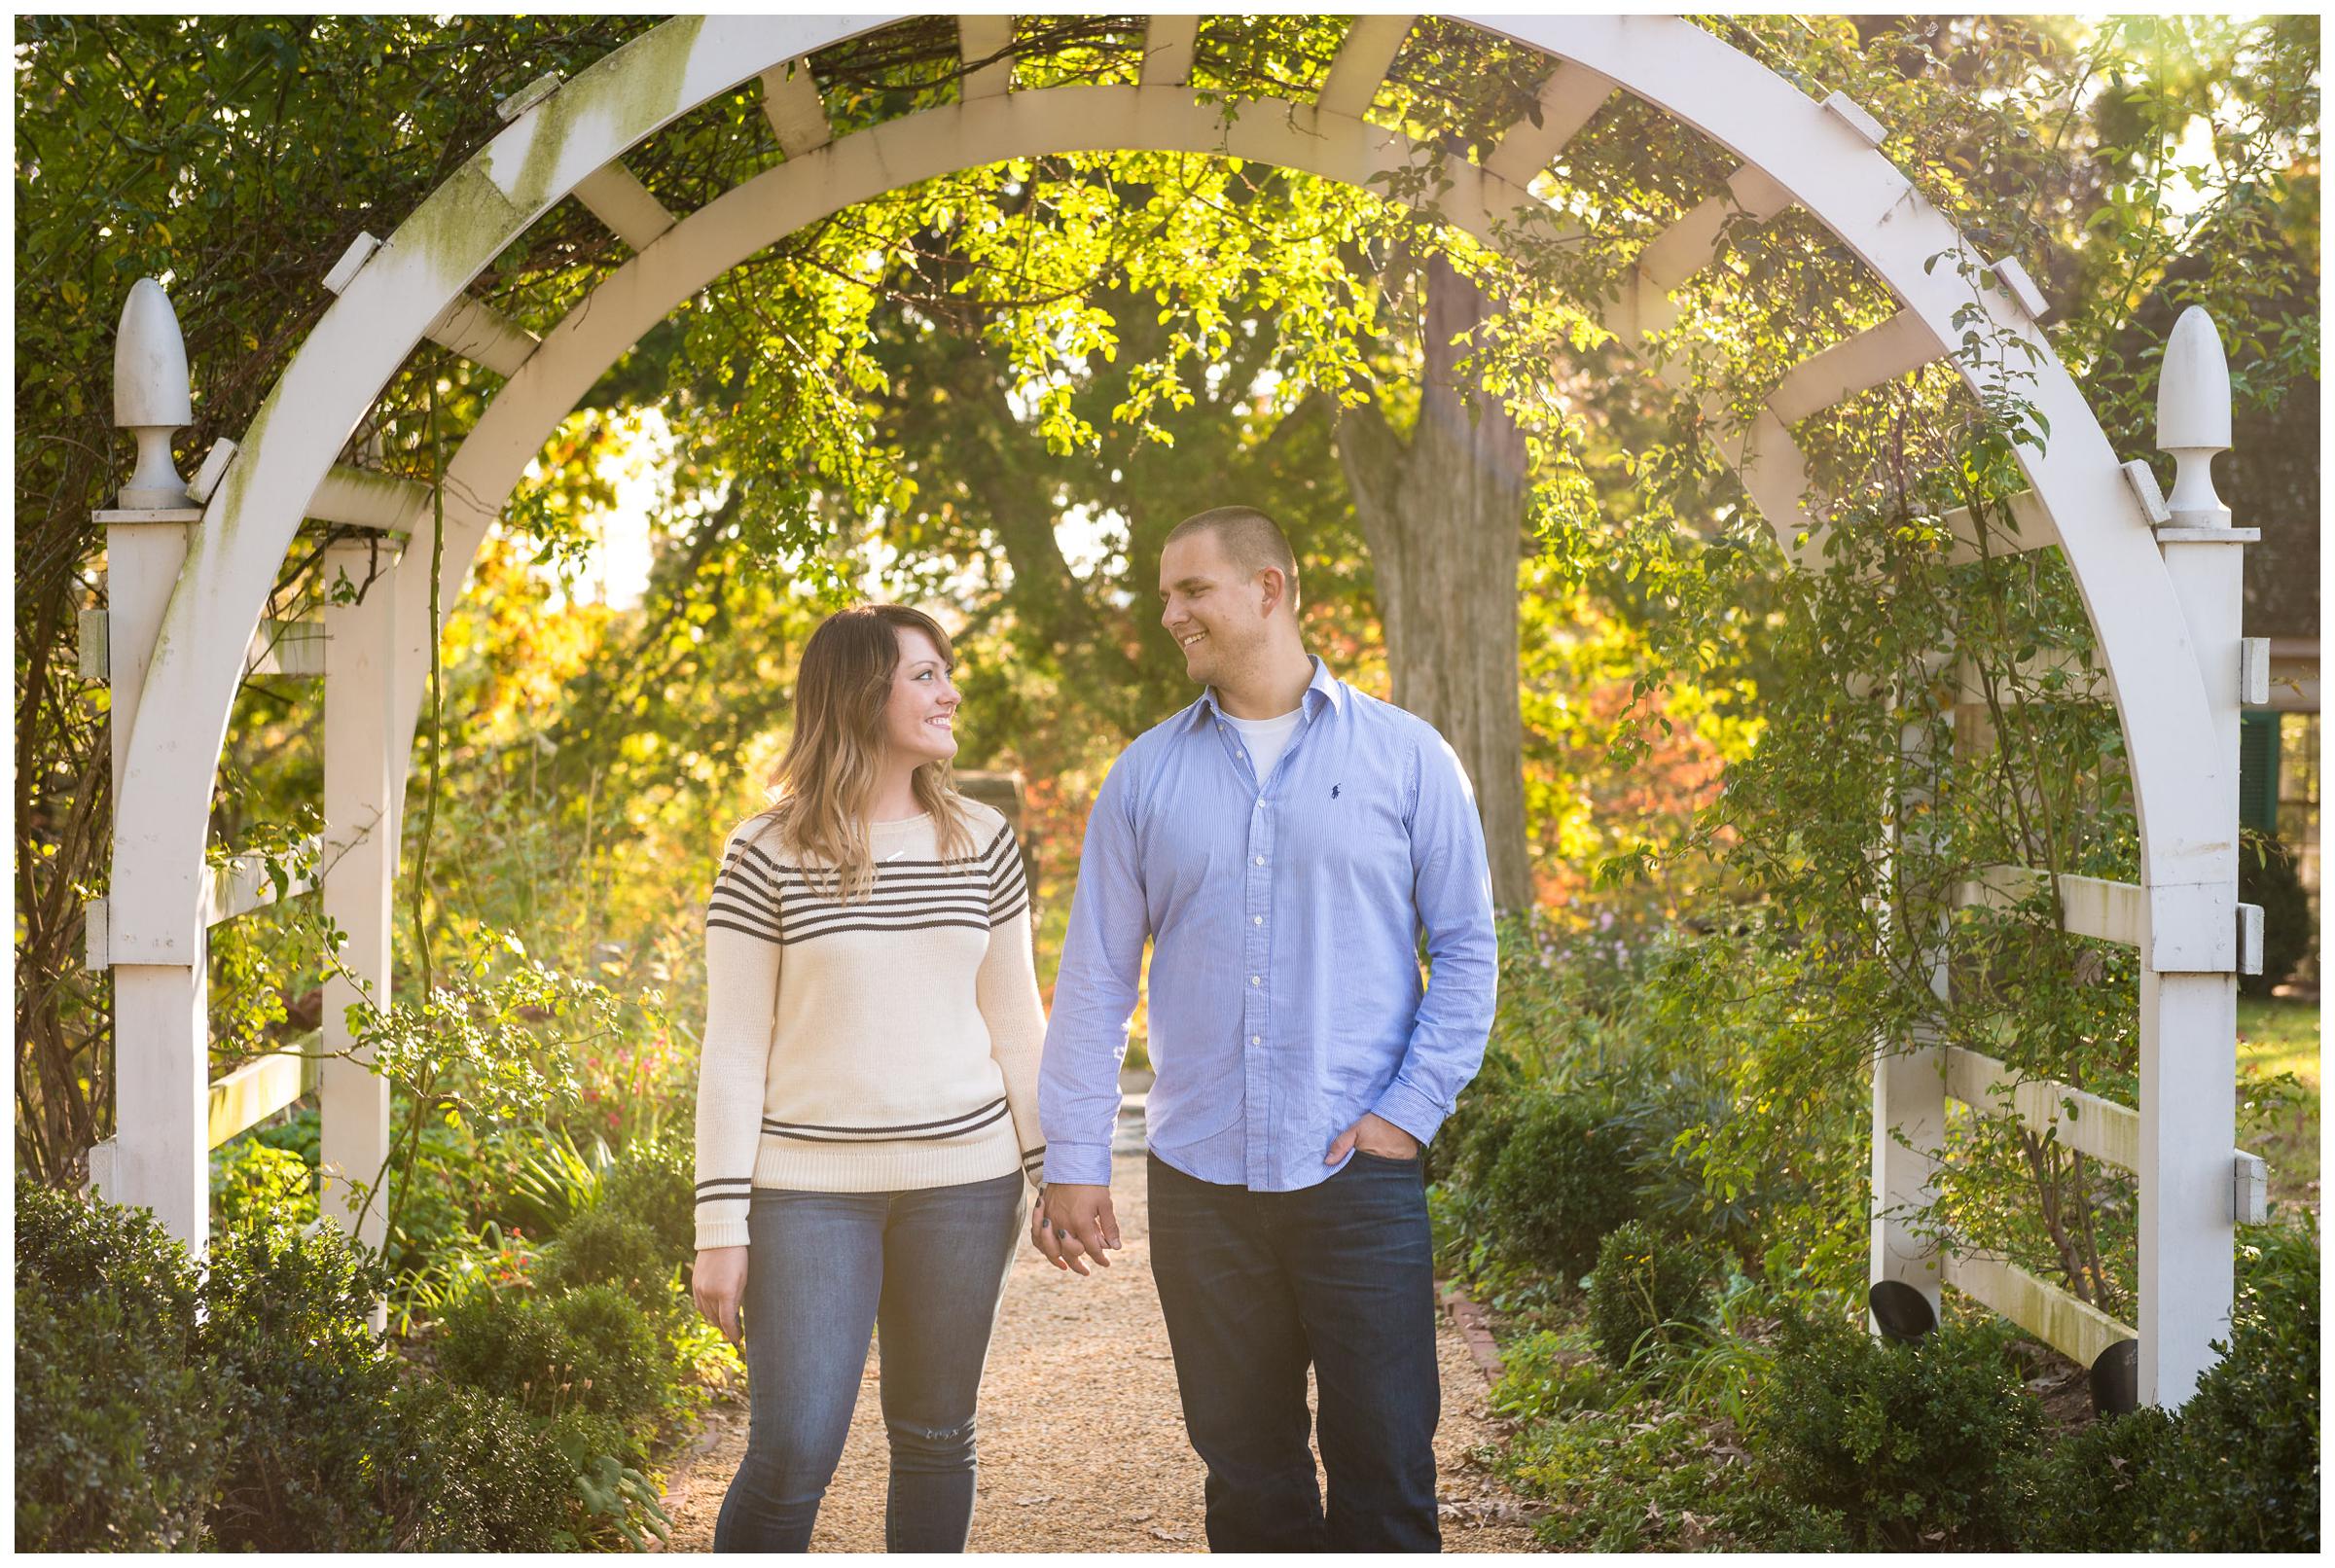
(1282, 841)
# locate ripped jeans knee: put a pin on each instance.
(931, 1450)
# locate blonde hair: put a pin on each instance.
(822, 787)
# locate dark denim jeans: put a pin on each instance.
(926, 1271)
(1255, 1286)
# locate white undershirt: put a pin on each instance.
(1265, 739)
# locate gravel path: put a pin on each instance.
(1082, 1438)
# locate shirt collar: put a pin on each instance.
(1323, 688)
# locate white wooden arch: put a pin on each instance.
(2163, 603)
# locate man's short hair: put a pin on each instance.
(1250, 539)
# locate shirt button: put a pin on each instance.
(1256, 1039)
(1260, 860)
(1256, 980)
(1256, 919)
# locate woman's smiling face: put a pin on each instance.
(919, 716)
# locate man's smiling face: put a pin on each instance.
(1209, 606)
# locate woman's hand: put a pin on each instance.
(718, 1283)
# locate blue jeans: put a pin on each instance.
(1257, 1285)
(924, 1268)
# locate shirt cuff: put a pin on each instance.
(1078, 1164)
(1409, 1110)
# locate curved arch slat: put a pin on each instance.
(791, 103)
(475, 331)
(1569, 99)
(1363, 61)
(624, 205)
(1898, 346)
(983, 40)
(1168, 44)
(1686, 248)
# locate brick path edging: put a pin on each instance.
(1475, 1331)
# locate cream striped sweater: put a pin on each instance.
(880, 1045)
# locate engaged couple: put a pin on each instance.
(880, 1079)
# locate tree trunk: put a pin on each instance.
(1443, 514)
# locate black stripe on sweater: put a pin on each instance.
(728, 925)
(810, 923)
(764, 915)
(906, 1126)
(911, 1137)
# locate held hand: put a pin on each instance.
(1374, 1134)
(1071, 1224)
(718, 1283)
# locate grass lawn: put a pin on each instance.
(2278, 1037)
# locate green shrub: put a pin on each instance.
(1484, 1126)
(1912, 1446)
(275, 1418)
(1470, 1137)
(602, 1247)
(1646, 1290)
(2100, 1489)
(506, 1343)
(2267, 875)
(621, 1352)
(2234, 1470)
(476, 1473)
(288, 1322)
(121, 1419)
(1666, 1117)
(653, 1182)
(1560, 1181)
(120, 1432)
(83, 1247)
(2243, 1476)
(590, 1349)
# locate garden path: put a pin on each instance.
(1082, 1438)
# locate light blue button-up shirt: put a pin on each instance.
(1287, 998)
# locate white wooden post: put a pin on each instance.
(2188, 979)
(158, 1157)
(362, 811)
(1909, 1079)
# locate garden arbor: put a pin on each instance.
(191, 573)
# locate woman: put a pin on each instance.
(867, 1099)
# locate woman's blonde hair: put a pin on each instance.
(822, 787)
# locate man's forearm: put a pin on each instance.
(1078, 1107)
(1094, 995)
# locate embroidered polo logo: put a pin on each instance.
(1333, 789)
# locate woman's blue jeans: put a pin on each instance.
(926, 1271)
